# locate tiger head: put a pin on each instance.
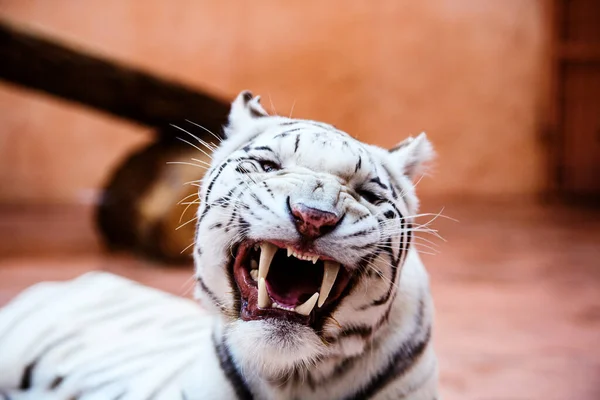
(301, 235)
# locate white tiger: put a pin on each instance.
(309, 283)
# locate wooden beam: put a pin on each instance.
(579, 52)
(46, 65)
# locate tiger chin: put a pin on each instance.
(304, 252)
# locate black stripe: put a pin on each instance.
(201, 217)
(255, 113)
(225, 200)
(234, 377)
(267, 148)
(233, 216)
(321, 125)
(297, 143)
(364, 246)
(358, 164)
(27, 376)
(392, 182)
(260, 203)
(364, 331)
(209, 292)
(403, 249)
(400, 362)
(213, 180)
(286, 133)
(359, 233)
(379, 183)
(361, 218)
(57, 381)
(394, 269)
(267, 188)
(241, 169)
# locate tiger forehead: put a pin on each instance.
(330, 151)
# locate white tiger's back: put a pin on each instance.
(102, 336)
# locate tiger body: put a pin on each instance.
(270, 327)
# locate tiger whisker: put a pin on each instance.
(210, 146)
(191, 144)
(198, 181)
(412, 244)
(188, 196)
(199, 140)
(207, 130)
(185, 223)
(273, 109)
(185, 210)
(191, 279)
(187, 163)
(187, 247)
(201, 162)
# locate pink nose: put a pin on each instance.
(312, 222)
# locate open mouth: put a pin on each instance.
(280, 281)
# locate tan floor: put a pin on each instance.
(517, 290)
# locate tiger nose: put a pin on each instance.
(312, 222)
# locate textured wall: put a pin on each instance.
(469, 72)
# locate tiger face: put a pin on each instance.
(301, 236)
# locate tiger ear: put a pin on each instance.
(244, 109)
(412, 154)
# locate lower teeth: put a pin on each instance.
(275, 305)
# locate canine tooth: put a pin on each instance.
(253, 264)
(329, 275)
(267, 252)
(315, 259)
(307, 307)
(254, 274)
(264, 301)
(290, 251)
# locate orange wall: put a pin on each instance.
(469, 72)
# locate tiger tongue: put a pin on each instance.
(291, 297)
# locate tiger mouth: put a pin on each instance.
(280, 281)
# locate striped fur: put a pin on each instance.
(375, 344)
